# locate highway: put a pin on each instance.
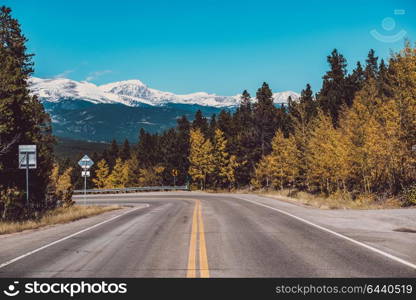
(187, 234)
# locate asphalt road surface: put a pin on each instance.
(207, 235)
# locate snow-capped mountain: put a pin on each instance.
(131, 93)
(85, 111)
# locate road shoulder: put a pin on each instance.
(378, 228)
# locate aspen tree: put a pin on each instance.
(263, 173)
(326, 155)
(224, 172)
(119, 176)
(201, 157)
(372, 128)
(101, 175)
(283, 160)
(65, 187)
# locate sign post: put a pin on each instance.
(27, 160)
(175, 173)
(85, 163)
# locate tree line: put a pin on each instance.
(354, 135)
(23, 120)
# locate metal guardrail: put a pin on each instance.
(133, 189)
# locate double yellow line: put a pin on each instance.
(197, 228)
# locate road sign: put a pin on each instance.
(85, 173)
(27, 157)
(175, 172)
(27, 160)
(85, 162)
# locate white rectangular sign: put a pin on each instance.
(27, 153)
(85, 173)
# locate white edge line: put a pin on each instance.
(67, 237)
(385, 254)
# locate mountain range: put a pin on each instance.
(85, 111)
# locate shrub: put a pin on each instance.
(410, 195)
(10, 203)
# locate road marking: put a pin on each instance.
(203, 259)
(192, 244)
(385, 254)
(68, 237)
(197, 231)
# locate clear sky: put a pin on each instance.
(215, 46)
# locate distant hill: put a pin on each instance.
(80, 120)
(72, 149)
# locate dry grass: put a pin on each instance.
(336, 201)
(56, 216)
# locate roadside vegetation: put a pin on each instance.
(334, 201)
(23, 121)
(55, 216)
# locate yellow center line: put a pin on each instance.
(197, 223)
(192, 245)
(203, 259)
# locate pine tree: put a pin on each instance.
(302, 111)
(170, 153)
(307, 99)
(183, 129)
(371, 68)
(200, 157)
(245, 104)
(332, 95)
(265, 121)
(225, 123)
(22, 117)
(354, 83)
(200, 122)
(125, 151)
(243, 117)
(244, 140)
(212, 127)
(148, 149)
(101, 175)
(384, 87)
(113, 154)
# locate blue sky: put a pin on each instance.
(215, 46)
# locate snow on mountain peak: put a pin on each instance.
(131, 93)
